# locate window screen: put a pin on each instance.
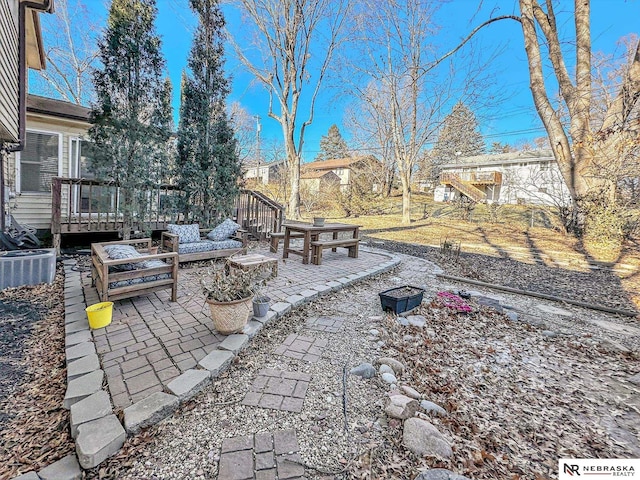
(38, 162)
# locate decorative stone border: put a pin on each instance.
(97, 431)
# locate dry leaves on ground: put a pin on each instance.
(517, 401)
(34, 428)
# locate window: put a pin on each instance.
(80, 164)
(39, 162)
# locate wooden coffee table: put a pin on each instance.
(254, 260)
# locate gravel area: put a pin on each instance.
(472, 368)
(596, 287)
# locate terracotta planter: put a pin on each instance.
(230, 317)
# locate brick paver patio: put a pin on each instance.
(278, 390)
(152, 340)
(263, 456)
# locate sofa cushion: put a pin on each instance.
(223, 231)
(136, 281)
(120, 252)
(207, 246)
(186, 233)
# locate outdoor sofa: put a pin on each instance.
(128, 268)
(192, 243)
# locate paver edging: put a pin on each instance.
(75, 321)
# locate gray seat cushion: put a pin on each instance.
(207, 246)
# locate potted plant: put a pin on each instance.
(229, 293)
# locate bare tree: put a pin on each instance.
(583, 145)
(403, 95)
(244, 126)
(290, 53)
(71, 51)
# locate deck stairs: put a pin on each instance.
(258, 214)
(466, 188)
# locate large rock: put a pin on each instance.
(410, 392)
(393, 363)
(389, 378)
(440, 474)
(422, 438)
(401, 406)
(364, 370)
(386, 369)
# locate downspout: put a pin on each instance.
(46, 6)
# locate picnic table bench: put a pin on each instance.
(318, 246)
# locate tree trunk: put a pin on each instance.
(293, 163)
(405, 177)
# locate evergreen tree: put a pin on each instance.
(132, 117)
(459, 136)
(332, 145)
(208, 165)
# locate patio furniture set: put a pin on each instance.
(129, 268)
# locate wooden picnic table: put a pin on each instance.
(312, 234)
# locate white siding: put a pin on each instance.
(9, 71)
(35, 208)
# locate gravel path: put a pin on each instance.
(331, 445)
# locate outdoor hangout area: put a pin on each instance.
(319, 240)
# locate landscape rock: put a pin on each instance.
(410, 392)
(431, 407)
(422, 438)
(364, 370)
(27, 476)
(417, 320)
(402, 321)
(389, 378)
(398, 368)
(440, 474)
(386, 369)
(401, 406)
(374, 332)
(549, 333)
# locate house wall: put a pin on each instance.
(536, 182)
(9, 71)
(35, 208)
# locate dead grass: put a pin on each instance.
(524, 234)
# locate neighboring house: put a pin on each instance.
(347, 169)
(20, 48)
(265, 172)
(530, 177)
(55, 147)
(321, 181)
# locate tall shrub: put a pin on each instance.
(208, 165)
(131, 118)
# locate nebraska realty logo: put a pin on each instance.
(598, 468)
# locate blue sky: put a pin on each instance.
(509, 121)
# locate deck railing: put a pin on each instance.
(259, 214)
(477, 178)
(81, 205)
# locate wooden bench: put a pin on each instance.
(104, 271)
(319, 245)
(277, 236)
